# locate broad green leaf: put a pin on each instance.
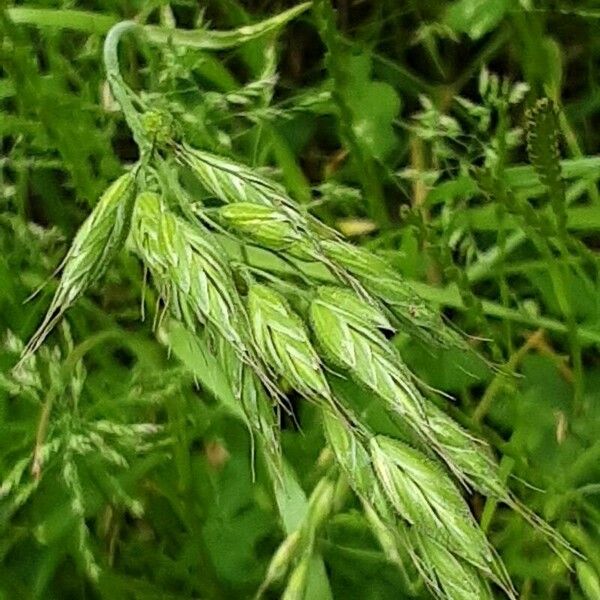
(476, 17)
(374, 106)
(79, 20)
(221, 40)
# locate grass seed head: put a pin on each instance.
(385, 534)
(347, 330)
(320, 506)
(382, 281)
(353, 307)
(265, 226)
(194, 278)
(471, 455)
(96, 243)
(191, 274)
(283, 341)
(260, 412)
(475, 461)
(230, 181)
(424, 496)
(234, 183)
(543, 149)
(351, 455)
(447, 575)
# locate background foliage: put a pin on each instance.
(383, 129)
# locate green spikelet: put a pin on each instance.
(473, 458)
(265, 226)
(383, 282)
(96, 243)
(446, 575)
(261, 414)
(425, 496)
(259, 411)
(282, 339)
(194, 278)
(231, 181)
(348, 332)
(351, 455)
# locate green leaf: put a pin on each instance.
(293, 506)
(192, 351)
(374, 106)
(221, 40)
(91, 22)
(476, 17)
(87, 21)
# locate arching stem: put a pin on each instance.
(120, 91)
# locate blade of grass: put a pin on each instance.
(91, 22)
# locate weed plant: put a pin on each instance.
(299, 306)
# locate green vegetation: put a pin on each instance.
(300, 301)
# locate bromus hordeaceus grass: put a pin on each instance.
(414, 507)
(410, 499)
(271, 336)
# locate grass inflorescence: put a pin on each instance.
(304, 346)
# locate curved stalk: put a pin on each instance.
(119, 88)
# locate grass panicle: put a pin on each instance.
(412, 503)
(415, 508)
(120, 466)
(474, 459)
